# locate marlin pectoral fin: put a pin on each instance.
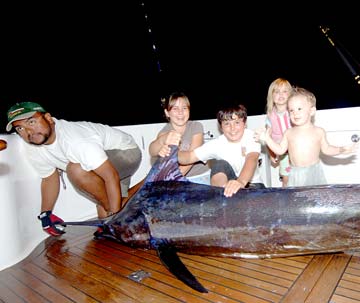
(171, 260)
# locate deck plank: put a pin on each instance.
(348, 289)
(86, 284)
(307, 280)
(93, 274)
(348, 293)
(8, 295)
(61, 285)
(23, 291)
(328, 280)
(341, 299)
(298, 261)
(41, 287)
(276, 269)
(253, 272)
(352, 278)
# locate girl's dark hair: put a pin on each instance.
(169, 102)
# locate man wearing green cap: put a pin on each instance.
(99, 160)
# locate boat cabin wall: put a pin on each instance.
(20, 205)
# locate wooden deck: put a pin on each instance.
(77, 268)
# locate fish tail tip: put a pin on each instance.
(203, 290)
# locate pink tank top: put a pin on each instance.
(279, 124)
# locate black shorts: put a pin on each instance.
(222, 166)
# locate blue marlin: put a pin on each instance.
(170, 214)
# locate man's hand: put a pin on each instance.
(49, 222)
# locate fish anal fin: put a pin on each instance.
(171, 260)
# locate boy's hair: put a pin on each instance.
(232, 113)
(299, 91)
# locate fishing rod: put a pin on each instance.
(343, 53)
(160, 73)
(152, 40)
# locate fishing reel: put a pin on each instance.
(355, 138)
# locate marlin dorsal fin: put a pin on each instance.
(166, 168)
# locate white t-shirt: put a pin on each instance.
(233, 152)
(78, 142)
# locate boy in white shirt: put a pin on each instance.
(234, 154)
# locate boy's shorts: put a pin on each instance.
(222, 166)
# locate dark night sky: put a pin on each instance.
(66, 57)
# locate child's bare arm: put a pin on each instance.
(332, 150)
(277, 148)
(349, 149)
(187, 157)
(160, 146)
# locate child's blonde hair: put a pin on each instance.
(279, 82)
(300, 91)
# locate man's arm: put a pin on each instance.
(50, 188)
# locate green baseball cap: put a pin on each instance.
(22, 110)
